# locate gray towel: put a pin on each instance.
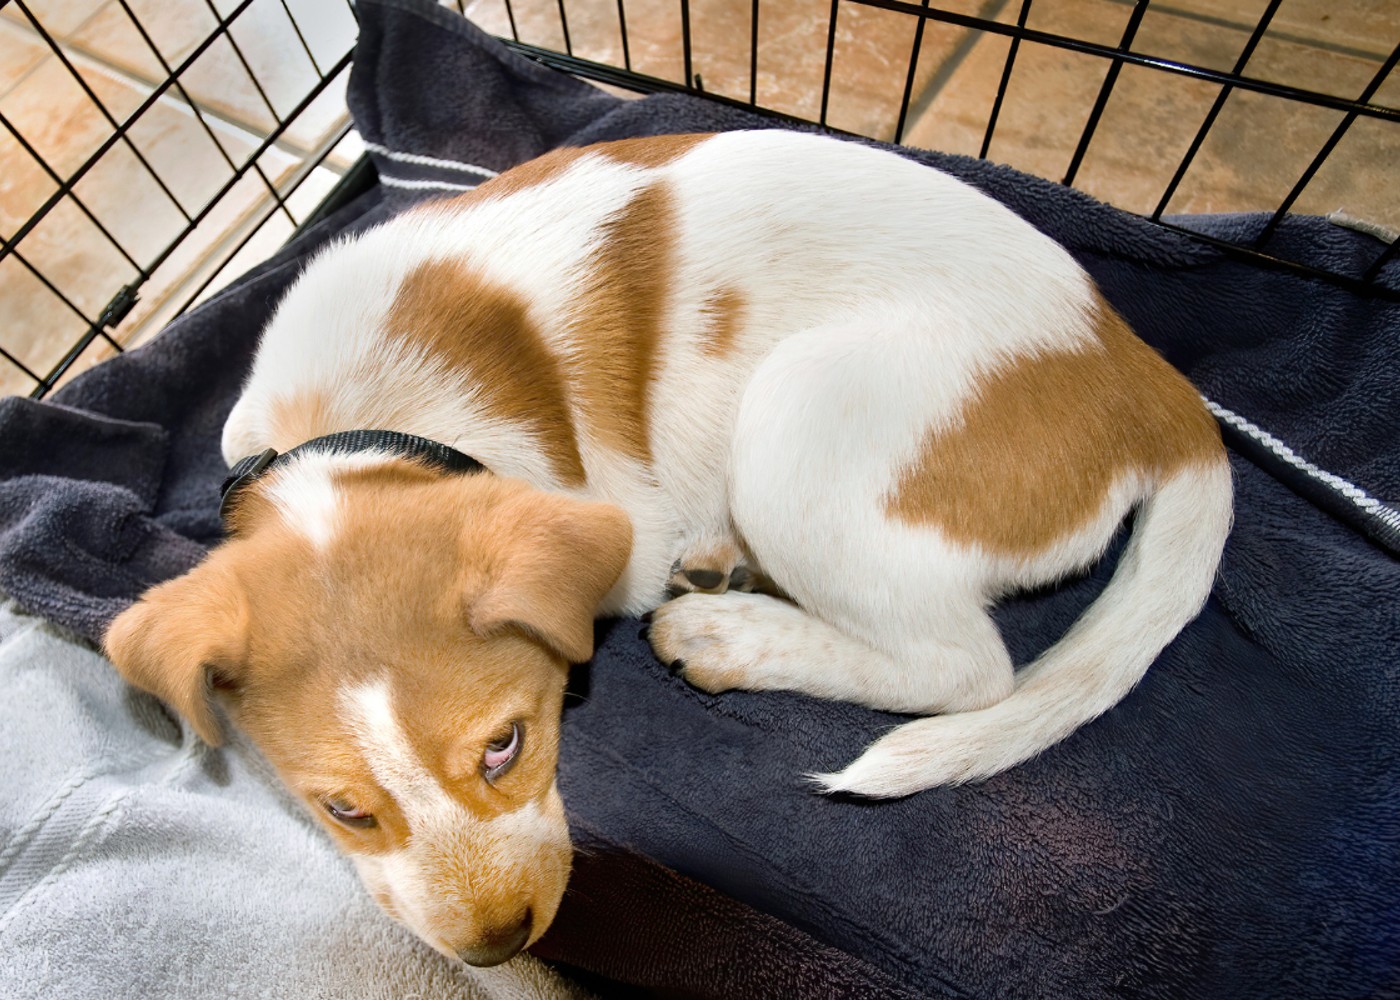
(136, 862)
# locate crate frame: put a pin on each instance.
(125, 298)
(360, 177)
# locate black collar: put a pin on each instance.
(430, 453)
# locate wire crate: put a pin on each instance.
(1167, 109)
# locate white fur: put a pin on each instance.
(383, 385)
(439, 908)
(391, 757)
(1162, 581)
(877, 295)
(304, 492)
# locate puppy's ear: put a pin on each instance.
(182, 639)
(553, 561)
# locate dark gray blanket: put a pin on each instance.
(1232, 829)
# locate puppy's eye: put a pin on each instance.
(349, 815)
(501, 752)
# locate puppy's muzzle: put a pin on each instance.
(498, 944)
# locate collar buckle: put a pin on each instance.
(243, 473)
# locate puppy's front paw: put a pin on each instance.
(700, 637)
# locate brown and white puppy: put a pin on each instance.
(694, 361)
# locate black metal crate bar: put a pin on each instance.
(572, 19)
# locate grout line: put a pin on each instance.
(219, 252)
(95, 60)
(173, 95)
(23, 22)
(1216, 20)
(86, 21)
(921, 103)
(25, 29)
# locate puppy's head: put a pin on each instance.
(395, 641)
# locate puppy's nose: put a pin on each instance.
(498, 944)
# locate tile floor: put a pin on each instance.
(195, 135)
(168, 192)
(1251, 159)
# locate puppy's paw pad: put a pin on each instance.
(709, 581)
(690, 578)
(713, 566)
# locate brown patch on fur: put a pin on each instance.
(474, 327)
(300, 417)
(1045, 437)
(463, 595)
(724, 313)
(620, 312)
(398, 594)
(651, 151)
(654, 151)
(619, 320)
(526, 175)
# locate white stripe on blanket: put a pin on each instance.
(1359, 497)
(418, 159)
(416, 185)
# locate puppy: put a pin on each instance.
(757, 360)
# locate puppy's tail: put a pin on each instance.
(1161, 583)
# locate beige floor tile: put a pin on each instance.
(62, 124)
(328, 27)
(346, 152)
(69, 249)
(881, 76)
(1256, 151)
(869, 65)
(311, 192)
(24, 187)
(321, 119)
(269, 237)
(1259, 146)
(654, 30)
(1047, 101)
(176, 27)
(209, 253)
(14, 382)
(20, 51)
(37, 326)
(56, 114)
(176, 281)
(1362, 26)
(60, 18)
(264, 36)
(64, 127)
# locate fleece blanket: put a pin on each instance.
(1231, 829)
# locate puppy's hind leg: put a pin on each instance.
(881, 616)
(755, 642)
